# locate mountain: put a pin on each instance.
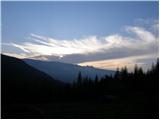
(22, 83)
(67, 72)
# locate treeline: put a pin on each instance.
(122, 83)
(122, 74)
(130, 94)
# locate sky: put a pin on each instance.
(101, 34)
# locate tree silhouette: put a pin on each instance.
(117, 74)
(79, 79)
(96, 79)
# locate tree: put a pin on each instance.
(140, 71)
(124, 73)
(136, 71)
(79, 79)
(157, 64)
(85, 80)
(96, 79)
(117, 74)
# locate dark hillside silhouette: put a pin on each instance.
(30, 93)
(22, 84)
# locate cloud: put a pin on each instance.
(155, 26)
(20, 56)
(49, 46)
(113, 64)
(20, 47)
(150, 24)
(66, 47)
(143, 39)
(138, 41)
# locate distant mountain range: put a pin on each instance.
(67, 72)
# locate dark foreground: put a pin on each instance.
(136, 107)
(29, 93)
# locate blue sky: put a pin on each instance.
(24, 22)
(68, 20)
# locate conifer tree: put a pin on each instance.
(79, 79)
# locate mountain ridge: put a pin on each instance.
(67, 72)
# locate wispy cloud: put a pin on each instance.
(65, 47)
(113, 64)
(141, 40)
(21, 55)
(138, 41)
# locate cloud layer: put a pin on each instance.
(138, 41)
(143, 61)
(143, 40)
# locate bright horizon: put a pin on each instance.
(101, 34)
